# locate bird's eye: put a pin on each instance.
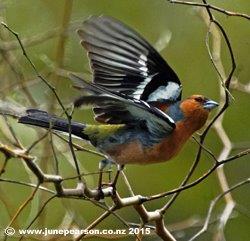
(199, 99)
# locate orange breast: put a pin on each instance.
(134, 152)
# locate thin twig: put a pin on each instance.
(21, 208)
(96, 222)
(38, 213)
(53, 89)
(212, 205)
(200, 179)
(27, 184)
(210, 6)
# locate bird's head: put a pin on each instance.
(198, 103)
(196, 109)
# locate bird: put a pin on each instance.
(136, 98)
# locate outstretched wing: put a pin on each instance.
(124, 109)
(123, 61)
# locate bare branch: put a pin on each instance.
(212, 205)
(213, 7)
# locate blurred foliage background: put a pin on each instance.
(38, 23)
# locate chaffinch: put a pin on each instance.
(135, 95)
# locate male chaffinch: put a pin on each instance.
(136, 98)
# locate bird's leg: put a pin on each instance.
(119, 169)
(102, 165)
(109, 174)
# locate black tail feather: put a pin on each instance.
(43, 119)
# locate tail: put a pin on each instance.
(43, 119)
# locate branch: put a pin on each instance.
(210, 6)
(53, 89)
(212, 205)
(200, 179)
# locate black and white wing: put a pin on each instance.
(124, 109)
(124, 62)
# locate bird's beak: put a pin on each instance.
(210, 104)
